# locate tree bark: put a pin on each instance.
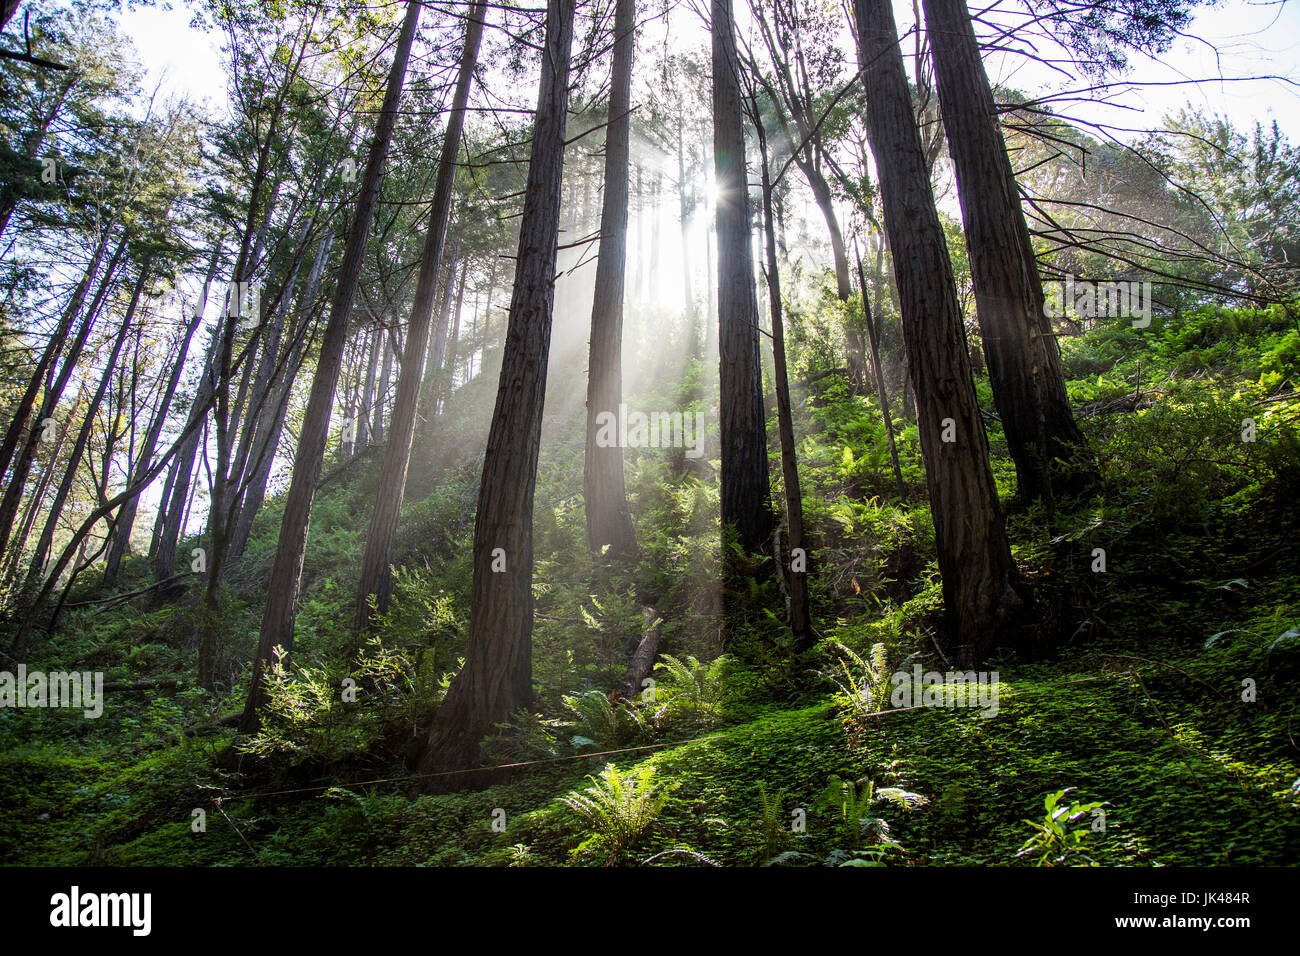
(979, 577)
(746, 502)
(1024, 363)
(604, 491)
(496, 680)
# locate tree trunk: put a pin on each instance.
(274, 409)
(447, 377)
(183, 465)
(496, 680)
(385, 376)
(438, 338)
(365, 437)
(800, 613)
(252, 436)
(609, 523)
(286, 573)
(1024, 363)
(979, 577)
(643, 658)
(746, 505)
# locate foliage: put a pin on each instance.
(619, 807)
(1056, 840)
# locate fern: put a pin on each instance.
(773, 822)
(619, 807)
(600, 720)
(855, 802)
(864, 681)
(692, 687)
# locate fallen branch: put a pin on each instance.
(113, 599)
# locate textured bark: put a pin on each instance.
(643, 658)
(496, 680)
(1024, 363)
(604, 491)
(286, 572)
(979, 577)
(746, 502)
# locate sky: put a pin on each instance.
(1238, 38)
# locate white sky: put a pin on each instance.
(1245, 38)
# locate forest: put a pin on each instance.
(649, 433)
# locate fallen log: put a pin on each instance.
(643, 658)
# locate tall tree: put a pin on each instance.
(979, 576)
(1024, 363)
(376, 573)
(497, 677)
(746, 501)
(286, 572)
(800, 611)
(609, 523)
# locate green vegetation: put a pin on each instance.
(1168, 700)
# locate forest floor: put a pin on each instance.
(1168, 697)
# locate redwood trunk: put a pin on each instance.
(604, 491)
(974, 557)
(1024, 363)
(800, 612)
(496, 680)
(746, 502)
